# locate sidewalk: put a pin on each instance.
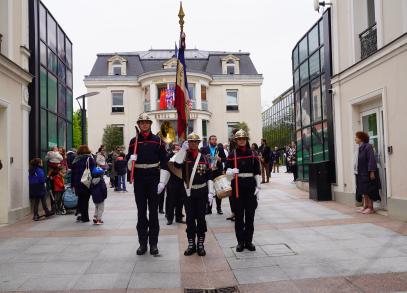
(302, 246)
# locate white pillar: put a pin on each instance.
(153, 97)
(198, 127)
(198, 97)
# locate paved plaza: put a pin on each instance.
(302, 246)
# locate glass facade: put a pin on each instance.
(51, 63)
(311, 79)
(278, 121)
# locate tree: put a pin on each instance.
(77, 129)
(112, 137)
(243, 125)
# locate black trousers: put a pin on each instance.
(43, 203)
(244, 208)
(83, 194)
(218, 204)
(175, 199)
(145, 193)
(195, 209)
(295, 171)
(161, 200)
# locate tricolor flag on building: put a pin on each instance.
(182, 101)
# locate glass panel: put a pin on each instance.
(326, 152)
(52, 33)
(68, 53)
(299, 148)
(69, 136)
(314, 65)
(303, 49)
(43, 23)
(52, 130)
(61, 71)
(321, 32)
(191, 91)
(295, 57)
(61, 133)
(317, 143)
(61, 44)
(61, 100)
(52, 61)
(316, 100)
(313, 39)
(306, 145)
(305, 106)
(296, 79)
(231, 97)
(43, 53)
(322, 58)
(43, 129)
(300, 171)
(306, 172)
(43, 87)
(52, 93)
(69, 105)
(323, 98)
(369, 123)
(304, 72)
(69, 78)
(297, 110)
(117, 98)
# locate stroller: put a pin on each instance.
(69, 198)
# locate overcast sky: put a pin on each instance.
(268, 29)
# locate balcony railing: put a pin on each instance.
(368, 41)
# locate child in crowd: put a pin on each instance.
(37, 189)
(98, 190)
(58, 187)
(121, 169)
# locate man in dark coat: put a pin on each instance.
(215, 155)
(265, 152)
(150, 178)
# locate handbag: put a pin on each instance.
(70, 199)
(86, 178)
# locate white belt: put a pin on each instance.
(147, 166)
(198, 186)
(245, 175)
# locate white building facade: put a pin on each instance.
(14, 110)
(224, 89)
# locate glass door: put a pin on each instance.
(372, 124)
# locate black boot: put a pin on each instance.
(220, 212)
(240, 247)
(201, 249)
(191, 247)
(142, 249)
(154, 249)
(250, 246)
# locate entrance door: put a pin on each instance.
(372, 124)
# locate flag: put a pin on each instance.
(182, 101)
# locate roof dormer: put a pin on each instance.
(172, 63)
(117, 65)
(230, 64)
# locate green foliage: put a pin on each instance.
(243, 125)
(77, 130)
(112, 137)
(281, 132)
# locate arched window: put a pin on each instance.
(117, 67)
(230, 66)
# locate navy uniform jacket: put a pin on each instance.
(247, 162)
(150, 150)
(202, 174)
(205, 151)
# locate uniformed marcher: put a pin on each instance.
(199, 188)
(244, 200)
(150, 178)
(216, 157)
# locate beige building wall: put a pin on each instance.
(14, 110)
(377, 83)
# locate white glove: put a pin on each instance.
(185, 145)
(231, 172)
(257, 193)
(210, 198)
(160, 187)
(133, 158)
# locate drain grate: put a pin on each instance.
(233, 289)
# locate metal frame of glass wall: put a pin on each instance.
(51, 95)
(311, 65)
(278, 121)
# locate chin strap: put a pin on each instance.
(164, 176)
(258, 181)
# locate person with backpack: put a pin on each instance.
(37, 188)
(82, 162)
(98, 190)
(120, 165)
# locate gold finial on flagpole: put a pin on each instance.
(181, 15)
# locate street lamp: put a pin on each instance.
(83, 113)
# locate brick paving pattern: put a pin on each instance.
(302, 246)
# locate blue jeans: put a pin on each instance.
(121, 182)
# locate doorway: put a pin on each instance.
(373, 124)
